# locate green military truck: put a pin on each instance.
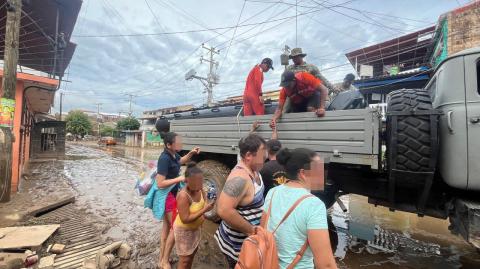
(425, 158)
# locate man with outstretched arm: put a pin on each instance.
(240, 203)
(306, 94)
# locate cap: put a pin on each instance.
(268, 62)
(273, 145)
(287, 76)
(349, 77)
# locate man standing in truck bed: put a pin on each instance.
(252, 96)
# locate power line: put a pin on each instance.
(186, 15)
(261, 31)
(276, 25)
(357, 19)
(191, 31)
(161, 26)
(234, 32)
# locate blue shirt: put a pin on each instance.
(169, 167)
(310, 214)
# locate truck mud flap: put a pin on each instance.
(465, 220)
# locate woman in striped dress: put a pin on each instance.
(240, 203)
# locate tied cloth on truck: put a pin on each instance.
(146, 179)
(156, 198)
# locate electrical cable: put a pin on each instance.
(190, 31)
(234, 32)
(361, 20)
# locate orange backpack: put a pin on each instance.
(259, 251)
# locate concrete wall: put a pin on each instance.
(133, 139)
(17, 164)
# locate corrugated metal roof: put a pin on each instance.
(37, 33)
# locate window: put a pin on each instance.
(478, 76)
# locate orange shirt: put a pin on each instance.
(253, 86)
(306, 85)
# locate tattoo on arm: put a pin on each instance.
(235, 186)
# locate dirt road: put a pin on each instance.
(102, 178)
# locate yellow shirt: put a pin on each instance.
(194, 207)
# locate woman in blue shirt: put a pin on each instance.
(168, 174)
(307, 224)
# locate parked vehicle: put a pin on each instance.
(89, 138)
(107, 141)
(430, 166)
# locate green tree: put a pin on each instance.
(107, 131)
(129, 123)
(78, 123)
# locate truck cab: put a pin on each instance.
(455, 91)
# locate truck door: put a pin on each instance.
(447, 89)
(472, 86)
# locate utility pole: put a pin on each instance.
(130, 100)
(61, 103)
(212, 78)
(98, 116)
(7, 97)
(296, 23)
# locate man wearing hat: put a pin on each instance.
(305, 92)
(252, 95)
(299, 65)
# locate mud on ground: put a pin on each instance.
(103, 178)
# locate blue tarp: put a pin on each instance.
(389, 81)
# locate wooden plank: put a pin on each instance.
(38, 210)
(26, 236)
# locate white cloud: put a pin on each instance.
(105, 68)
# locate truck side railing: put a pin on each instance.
(347, 136)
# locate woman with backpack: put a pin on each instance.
(297, 219)
(168, 180)
(192, 204)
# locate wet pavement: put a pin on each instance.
(103, 179)
(374, 237)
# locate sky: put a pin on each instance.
(122, 47)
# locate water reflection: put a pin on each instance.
(367, 236)
(370, 236)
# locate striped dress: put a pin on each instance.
(230, 240)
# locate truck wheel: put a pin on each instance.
(215, 174)
(413, 148)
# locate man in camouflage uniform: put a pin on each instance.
(299, 65)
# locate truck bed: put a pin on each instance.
(347, 136)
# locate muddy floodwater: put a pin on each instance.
(103, 179)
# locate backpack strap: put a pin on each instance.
(289, 210)
(267, 217)
(299, 255)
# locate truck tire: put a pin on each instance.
(215, 174)
(414, 148)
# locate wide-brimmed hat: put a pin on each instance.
(297, 52)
